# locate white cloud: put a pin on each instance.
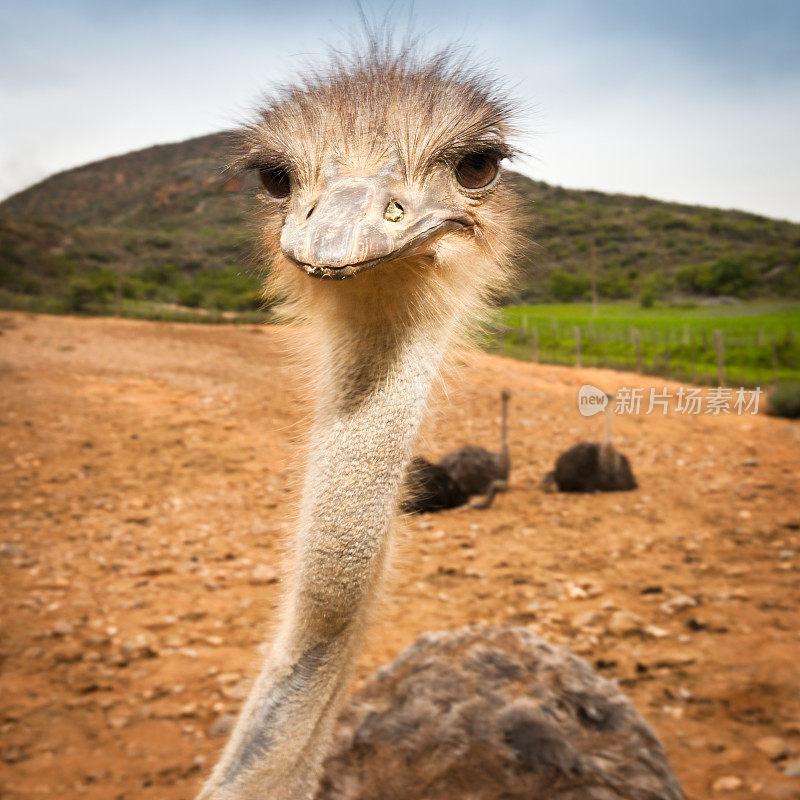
(611, 111)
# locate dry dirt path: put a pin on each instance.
(148, 475)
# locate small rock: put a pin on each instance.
(677, 604)
(8, 550)
(553, 590)
(138, 647)
(773, 747)
(62, 628)
(575, 592)
(221, 726)
(674, 659)
(750, 462)
(68, 654)
(227, 678)
(263, 574)
(624, 622)
(236, 692)
(792, 769)
(792, 727)
(585, 620)
(13, 754)
(656, 632)
(728, 783)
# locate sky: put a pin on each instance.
(697, 102)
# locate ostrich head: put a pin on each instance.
(382, 185)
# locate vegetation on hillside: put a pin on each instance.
(165, 228)
(651, 250)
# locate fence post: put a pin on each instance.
(578, 360)
(118, 291)
(637, 344)
(774, 359)
(718, 349)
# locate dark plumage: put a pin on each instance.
(430, 488)
(489, 713)
(592, 467)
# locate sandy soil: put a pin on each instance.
(149, 474)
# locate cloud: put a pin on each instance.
(689, 101)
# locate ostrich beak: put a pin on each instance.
(360, 222)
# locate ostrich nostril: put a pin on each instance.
(311, 210)
(393, 211)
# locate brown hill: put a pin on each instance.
(165, 225)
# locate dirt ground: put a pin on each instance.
(149, 476)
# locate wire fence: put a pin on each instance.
(694, 354)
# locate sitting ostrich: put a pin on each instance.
(430, 488)
(387, 223)
(592, 467)
(464, 472)
(495, 712)
(478, 471)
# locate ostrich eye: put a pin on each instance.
(275, 181)
(477, 170)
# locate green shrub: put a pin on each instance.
(135, 288)
(89, 293)
(566, 287)
(732, 275)
(614, 284)
(784, 400)
(651, 288)
(164, 274)
(190, 295)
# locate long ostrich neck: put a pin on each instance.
(369, 410)
(504, 430)
(504, 456)
(609, 458)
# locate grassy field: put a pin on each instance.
(760, 341)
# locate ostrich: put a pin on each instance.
(464, 472)
(387, 223)
(493, 712)
(430, 488)
(478, 471)
(592, 467)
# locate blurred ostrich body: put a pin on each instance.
(430, 488)
(495, 712)
(592, 466)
